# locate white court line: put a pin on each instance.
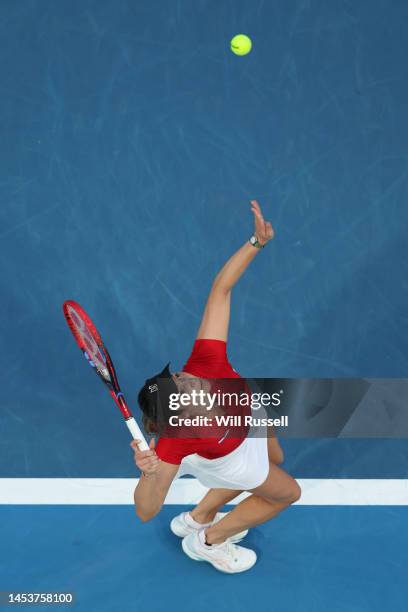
(119, 491)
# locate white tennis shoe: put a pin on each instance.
(226, 557)
(183, 524)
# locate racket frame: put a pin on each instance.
(113, 383)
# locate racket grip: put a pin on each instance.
(137, 433)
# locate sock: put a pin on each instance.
(190, 521)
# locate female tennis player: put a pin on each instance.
(226, 465)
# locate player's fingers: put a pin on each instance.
(154, 458)
(258, 209)
(257, 212)
(258, 217)
(135, 445)
(145, 454)
(144, 463)
(270, 229)
(147, 465)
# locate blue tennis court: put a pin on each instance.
(310, 558)
(133, 140)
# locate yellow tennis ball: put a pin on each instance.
(241, 44)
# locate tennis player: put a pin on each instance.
(226, 465)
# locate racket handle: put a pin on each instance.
(137, 433)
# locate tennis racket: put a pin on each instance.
(90, 343)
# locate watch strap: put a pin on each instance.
(255, 242)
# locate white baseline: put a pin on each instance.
(119, 491)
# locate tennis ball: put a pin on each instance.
(241, 44)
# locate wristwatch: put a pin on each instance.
(255, 242)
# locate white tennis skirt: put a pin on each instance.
(243, 469)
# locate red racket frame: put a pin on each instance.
(113, 387)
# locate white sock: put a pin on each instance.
(190, 521)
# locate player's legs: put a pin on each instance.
(215, 499)
(275, 451)
(278, 492)
(204, 514)
(208, 507)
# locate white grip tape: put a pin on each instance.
(137, 434)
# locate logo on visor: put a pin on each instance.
(153, 388)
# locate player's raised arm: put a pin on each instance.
(215, 320)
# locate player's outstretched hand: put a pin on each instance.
(147, 461)
(263, 229)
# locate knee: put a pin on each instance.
(287, 496)
(292, 494)
(295, 493)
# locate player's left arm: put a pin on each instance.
(215, 321)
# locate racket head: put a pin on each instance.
(90, 343)
(96, 354)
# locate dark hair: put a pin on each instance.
(153, 400)
(149, 422)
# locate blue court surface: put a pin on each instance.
(309, 559)
(132, 142)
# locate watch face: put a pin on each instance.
(252, 240)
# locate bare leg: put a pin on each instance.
(208, 507)
(274, 495)
(275, 453)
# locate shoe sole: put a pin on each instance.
(196, 557)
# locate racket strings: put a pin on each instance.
(90, 347)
